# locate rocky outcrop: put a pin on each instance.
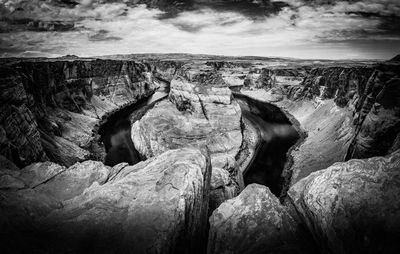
(271, 78)
(200, 112)
(52, 109)
(156, 206)
(354, 206)
(370, 93)
(255, 222)
(338, 83)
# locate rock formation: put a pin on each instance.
(255, 222)
(157, 206)
(200, 112)
(352, 207)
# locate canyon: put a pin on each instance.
(181, 153)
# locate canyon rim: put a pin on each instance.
(199, 126)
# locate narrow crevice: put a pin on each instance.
(203, 108)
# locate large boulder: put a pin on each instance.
(157, 206)
(255, 222)
(354, 206)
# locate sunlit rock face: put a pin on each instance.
(51, 109)
(200, 113)
(159, 206)
(352, 207)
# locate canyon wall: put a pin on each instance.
(347, 111)
(370, 92)
(52, 109)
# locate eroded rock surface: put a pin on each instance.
(156, 206)
(200, 112)
(354, 206)
(255, 222)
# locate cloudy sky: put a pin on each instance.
(368, 29)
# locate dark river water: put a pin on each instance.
(277, 136)
(116, 132)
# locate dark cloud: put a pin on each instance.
(250, 8)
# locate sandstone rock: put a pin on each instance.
(220, 177)
(378, 117)
(9, 174)
(8, 181)
(338, 83)
(7, 164)
(353, 207)
(54, 107)
(341, 109)
(253, 222)
(38, 173)
(200, 112)
(157, 206)
(71, 182)
(63, 151)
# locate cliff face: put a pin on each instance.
(51, 108)
(370, 92)
(372, 95)
(348, 111)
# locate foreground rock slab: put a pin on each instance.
(157, 206)
(254, 222)
(353, 207)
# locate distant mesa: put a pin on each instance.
(70, 57)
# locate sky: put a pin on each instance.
(311, 29)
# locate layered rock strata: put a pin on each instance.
(347, 112)
(52, 109)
